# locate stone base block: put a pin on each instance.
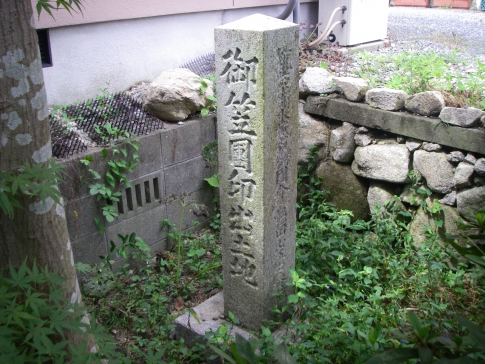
(209, 315)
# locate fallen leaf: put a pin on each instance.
(179, 303)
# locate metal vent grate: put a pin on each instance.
(203, 65)
(73, 129)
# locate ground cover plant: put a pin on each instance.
(360, 288)
(416, 72)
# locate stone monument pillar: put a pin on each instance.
(257, 121)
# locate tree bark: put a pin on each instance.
(38, 230)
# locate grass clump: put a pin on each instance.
(416, 72)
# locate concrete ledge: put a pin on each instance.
(402, 123)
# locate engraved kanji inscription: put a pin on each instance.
(237, 69)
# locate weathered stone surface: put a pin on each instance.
(413, 144)
(431, 147)
(437, 171)
(315, 81)
(450, 220)
(175, 94)
(342, 144)
(381, 193)
(257, 115)
(478, 180)
(410, 196)
(386, 98)
(470, 158)
(449, 199)
(479, 167)
(413, 126)
(208, 315)
(387, 141)
(312, 132)
(466, 118)
(354, 89)
(462, 175)
(469, 202)
(428, 103)
(362, 130)
(420, 222)
(362, 140)
(347, 191)
(389, 163)
(455, 156)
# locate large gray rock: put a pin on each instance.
(342, 144)
(479, 167)
(410, 196)
(354, 89)
(175, 94)
(428, 103)
(420, 223)
(386, 98)
(470, 158)
(466, 118)
(347, 191)
(362, 140)
(455, 156)
(469, 202)
(462, 175)
(449, 199)
(451, 218)
(313, 132)
(381, 193)
(437, 171)
(431, 147)
(413, 144)
(389, 163)
(316, 81)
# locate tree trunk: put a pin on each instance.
(38, 231)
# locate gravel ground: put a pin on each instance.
(440, 30)
(418, 31)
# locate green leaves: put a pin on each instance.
(213, 181)
(46, 5)
(34, 316)
(36, 181)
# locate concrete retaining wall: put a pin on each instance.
(170, 163)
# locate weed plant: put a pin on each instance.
(360, 288)
(415, 72)
(141, 304)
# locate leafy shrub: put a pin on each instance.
(34, 319)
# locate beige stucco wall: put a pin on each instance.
(94, 11)
(117, 54)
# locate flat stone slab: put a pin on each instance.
(208, 314)
(419, 127)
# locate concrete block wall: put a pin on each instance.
(170, 163)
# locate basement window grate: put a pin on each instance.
(44, 47)
(73, 128)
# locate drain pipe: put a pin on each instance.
(296, 13)
(289, 8)
(328, 28)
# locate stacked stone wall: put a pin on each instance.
(366, 155)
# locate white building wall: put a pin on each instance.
(115, 55)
